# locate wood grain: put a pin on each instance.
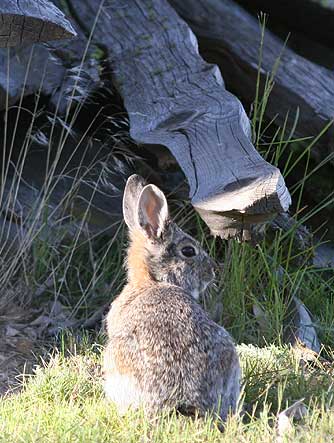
(52, 69)
(230, 36)
(174, 98)
(28, 21)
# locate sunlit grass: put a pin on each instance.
(64, 401)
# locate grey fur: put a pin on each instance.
(168, 265)
(164, 351)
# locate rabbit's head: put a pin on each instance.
(159, 250)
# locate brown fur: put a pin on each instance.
(138, 271)
(163, 350)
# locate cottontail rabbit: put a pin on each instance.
(163, 351)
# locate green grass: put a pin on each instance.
(63, 401)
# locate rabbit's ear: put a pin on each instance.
(152, 211)
(132, 191)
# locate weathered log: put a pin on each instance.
(304, 46)
(313, 18)
(82, 70)
(230, 36)
(52, 70)
(45, 72)
(324, 255)
(177, 100)
(28, 21)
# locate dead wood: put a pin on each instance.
(29, 21)
(176, 99)
(230, 36)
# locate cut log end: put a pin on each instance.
(232, 224)
(17, 28)
(258, 195)
(232, 212)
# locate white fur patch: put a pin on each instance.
(123, 391)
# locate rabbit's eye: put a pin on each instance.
(188, 251)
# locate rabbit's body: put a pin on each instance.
(178, 357)
(164, 352)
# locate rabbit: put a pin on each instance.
(164, 352)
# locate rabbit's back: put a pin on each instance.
(177, 356)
